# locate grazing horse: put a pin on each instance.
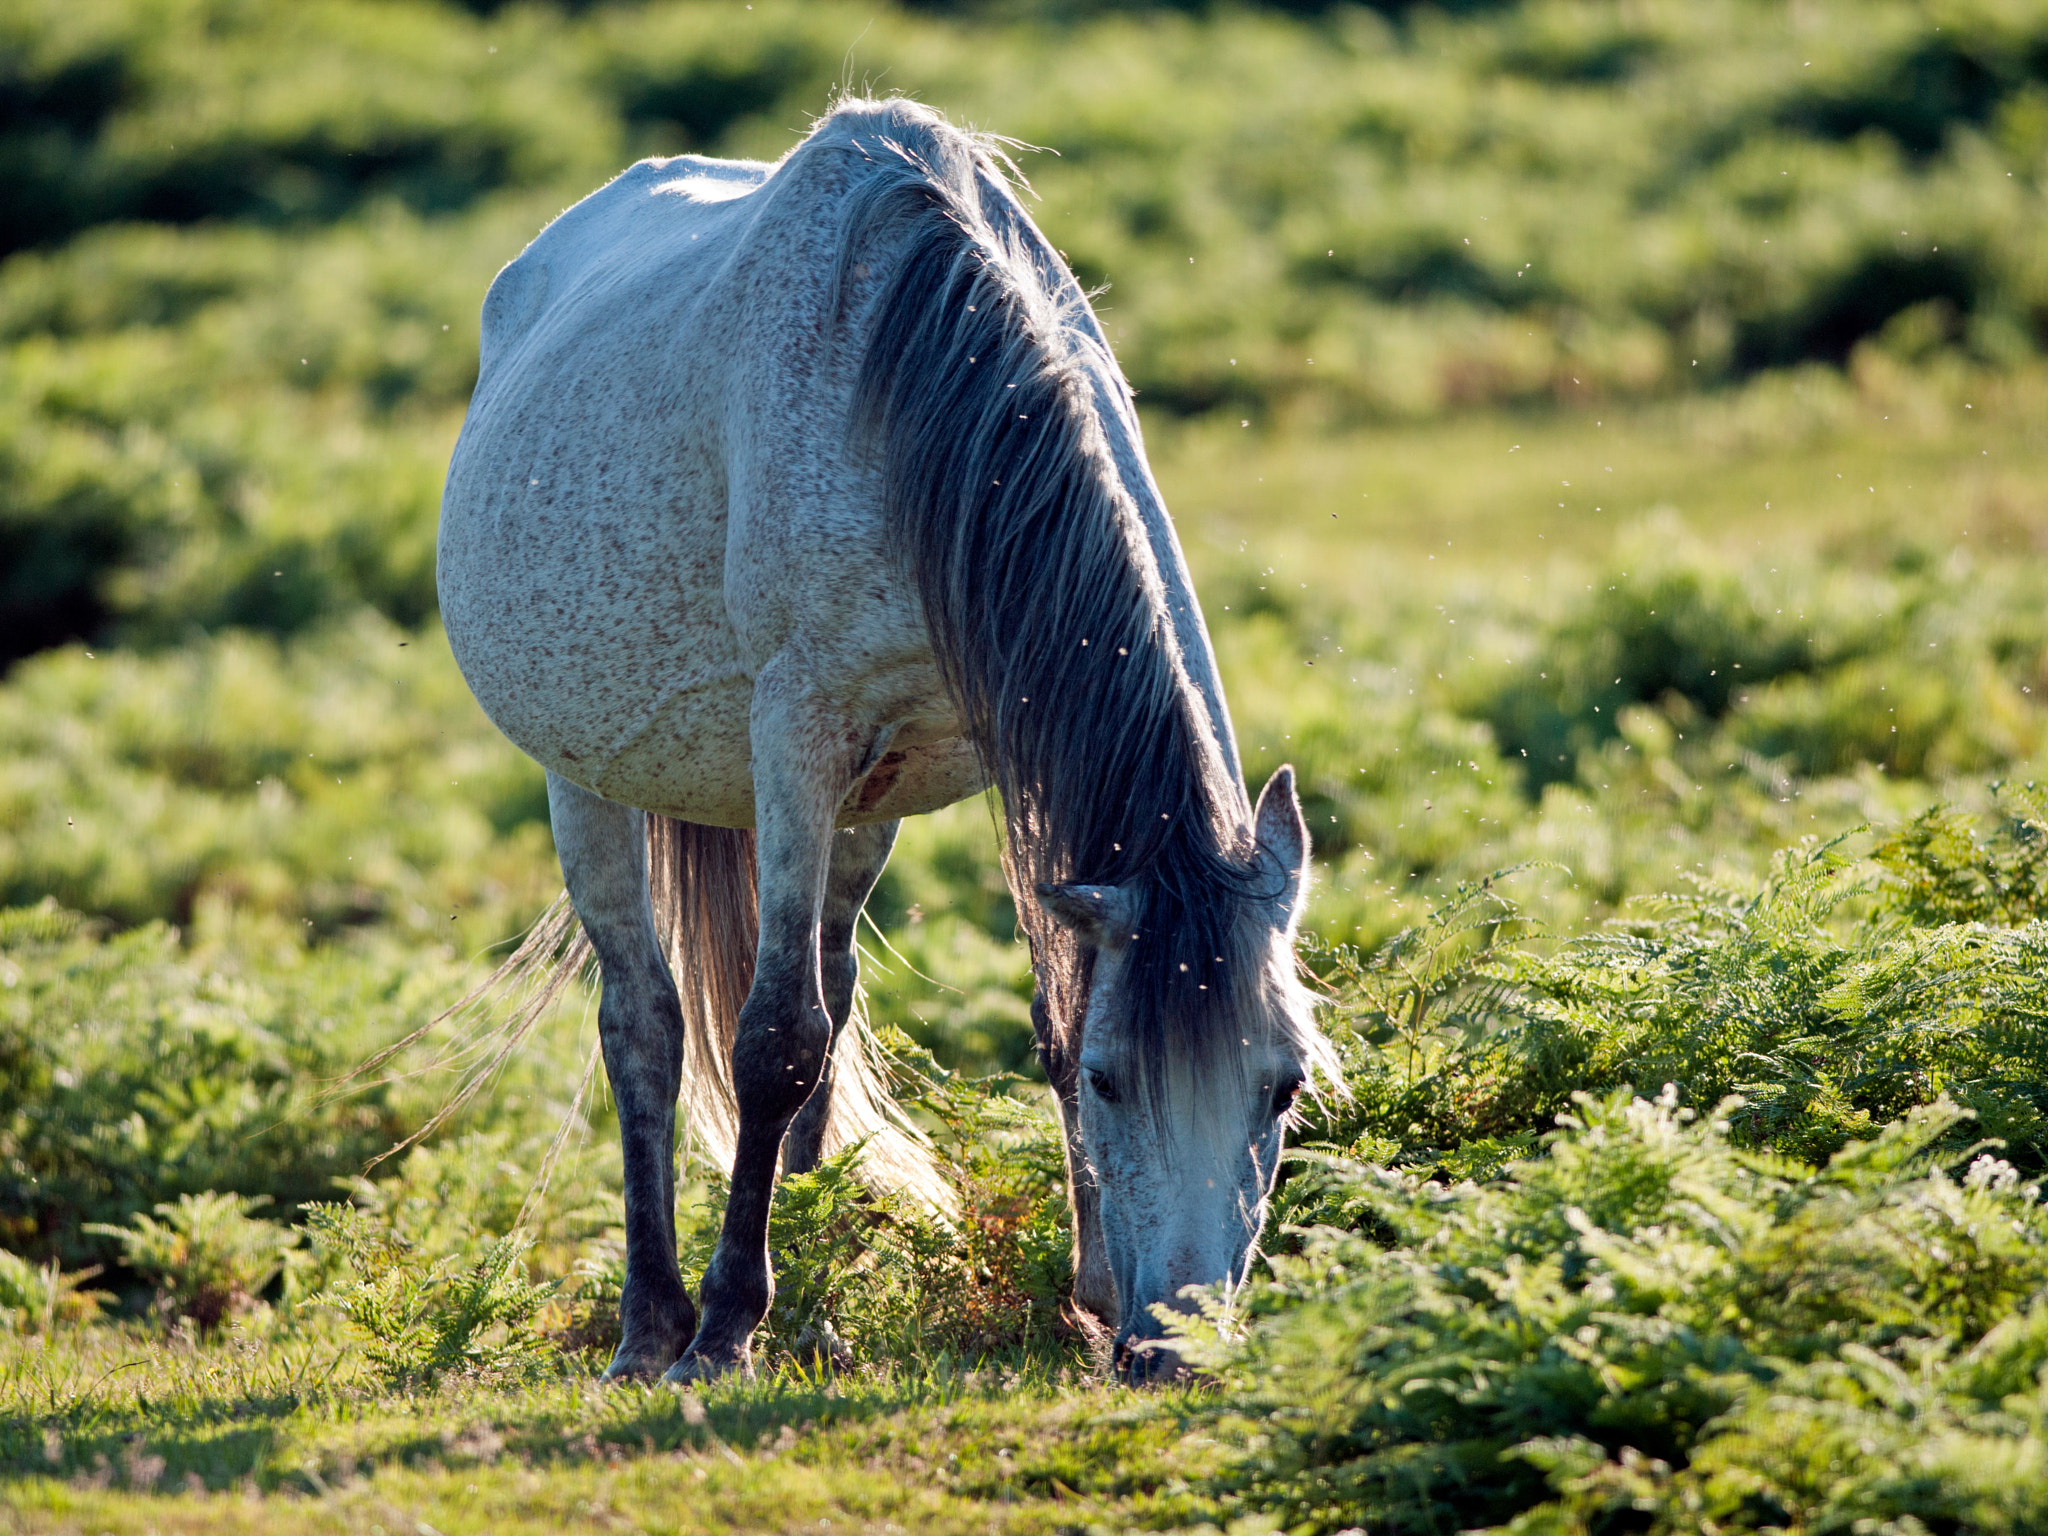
(798, 498)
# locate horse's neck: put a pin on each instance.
(1127, 447)
(1119, 420)
(1184, 613)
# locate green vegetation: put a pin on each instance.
(1607, 435)
(209, 1255)
(1645, 1325)
(420, 1321)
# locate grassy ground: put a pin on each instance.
(1805, 463)
(120, 1433)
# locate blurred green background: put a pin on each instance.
(1606, 433)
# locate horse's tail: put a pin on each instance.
(707, 916)
(707, 919)
(701, 882)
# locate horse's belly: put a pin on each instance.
(686, 755)
(619, 669)
(611, 703)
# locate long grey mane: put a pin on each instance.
(978, 390)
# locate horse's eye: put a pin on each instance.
(1103, 1084)
(1284, 1096)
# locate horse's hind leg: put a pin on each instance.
(805, 758)
(603, 848)
(858, 855)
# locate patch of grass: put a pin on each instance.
(137, 1073)
(420, 1321)
(36, 1298)
(123, 1427)
(1856, 982)
(210, 1255)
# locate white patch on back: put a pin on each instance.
(707, 189)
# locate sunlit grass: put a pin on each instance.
(1809, 463)
(115, 1429)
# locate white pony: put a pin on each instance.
(796, 499)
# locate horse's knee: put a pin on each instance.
(640, 1016)
(778, 1057)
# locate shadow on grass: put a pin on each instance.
(174, 1441)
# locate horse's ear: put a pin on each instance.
(1100, 915)
(1282, 835)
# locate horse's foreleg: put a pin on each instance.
(603, 848)
(804, 760)
(858, 855)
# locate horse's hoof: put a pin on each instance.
(711, 1365)
(637, 1365)
(1150, 1363)
(630, 1370)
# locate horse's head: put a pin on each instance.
(1185, 1149)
